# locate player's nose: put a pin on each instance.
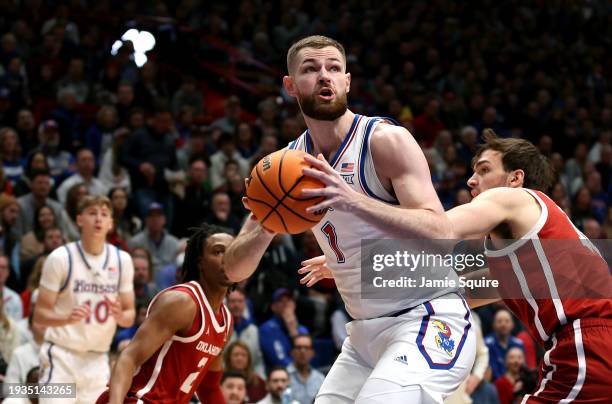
(472, 182)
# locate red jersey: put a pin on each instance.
(552, 275)
(174, 372)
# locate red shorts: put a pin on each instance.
(578, 366)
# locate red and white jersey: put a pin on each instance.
(553, 274)
(175, 371)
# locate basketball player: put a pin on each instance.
(509, 178)
(177, 350)
(85, 291)
(381, 360)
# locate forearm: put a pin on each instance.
(403, 222)
(480, 296)
(49, 318)
(243, 255)
(127, 317)
(121, 378)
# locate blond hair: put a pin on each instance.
(94, 200)
(313, 41)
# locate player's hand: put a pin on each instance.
(114, 307)
(78, 313)
(315, 270)
(338, 194)
(472, 384)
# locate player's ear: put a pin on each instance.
(348, 82)
(289, 85)
(517, 178)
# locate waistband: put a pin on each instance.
(75, 351)
(567, 331)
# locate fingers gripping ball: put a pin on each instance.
(274, 193)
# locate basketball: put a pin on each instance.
(275, 196)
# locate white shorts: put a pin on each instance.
(88, 370)
(432, 347)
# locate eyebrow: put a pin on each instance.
(313, 60)
(481, 162)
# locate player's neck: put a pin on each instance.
(214, 295)
(327, 136)
(92, 246)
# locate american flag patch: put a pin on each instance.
(347, 167)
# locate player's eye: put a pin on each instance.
(309, 69)
(334, 69)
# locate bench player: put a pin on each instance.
(85, 291)
(559, 289)
(176, 352)
(381, 360)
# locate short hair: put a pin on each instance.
(302, 335)
(274, 369)
(38, 173)
(195, 249)
(520, 154)
(313, 41)
(233, 374)
(94, 200)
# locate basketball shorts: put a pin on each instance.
(577, 367)
(431, 347)
(88, 370)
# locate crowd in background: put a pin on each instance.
(170, 143)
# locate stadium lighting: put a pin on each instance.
(143, 42)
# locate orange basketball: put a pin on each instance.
(275, 193)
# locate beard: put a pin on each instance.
(323, 111)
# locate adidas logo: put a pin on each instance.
(402, 359)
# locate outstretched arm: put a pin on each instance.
(399, 159)
(243, 255)
(172, 312)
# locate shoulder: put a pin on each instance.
(506, 196)
(391, 145)
(517, 342)
(123, 255)
(386, 134)
(59, 255)
(489, 340)
(174, 301)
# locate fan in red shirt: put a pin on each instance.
(176, 352)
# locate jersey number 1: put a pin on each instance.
(330, 232)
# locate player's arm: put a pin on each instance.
(480, 296)
(123, 309)
(172, 312)
(209, 390)
(244, 253)
(45, 314)
(399, 158)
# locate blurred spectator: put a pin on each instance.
(234, 388)
(60, 161)
(34, 162)
(188, 95)
(193, 207)
(245, 330)
(31, 286)
(124, 335)
(25, 356)
(68, 119)
(144, 288)
(303, 379)
(26, 129)
(267, 121)
(86, 166)
(155, 238)
(100, 135)
(581, 207)
(74, 196)
(147, 154)
(218, 161)
(275, 335)
(574, 166)
(9, 211)
(221, 212)
(501, 341)
(268, 144)
(149, 88)
(125, 102)
(32, 242)
(195, 148)
(75, 80)
(112, 173)
(126, 224)
(11, 300)
(339, 320)
(10, 155)
(595, 153)
(592, 229)
(40, 186)
(9, 335)
(245, 140)
(238, 359)
(509, 384)
(277, 383)
(428, 124)
(52, 238)
(232, 116)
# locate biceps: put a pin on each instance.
(148, 339)
(415, 190)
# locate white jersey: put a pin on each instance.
(81, 278)
(340, 233)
